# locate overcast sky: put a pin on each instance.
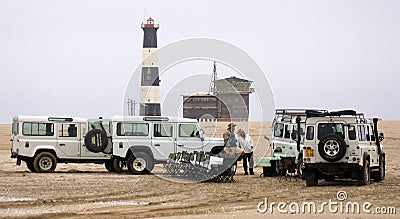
(76, 57)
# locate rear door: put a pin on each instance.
(68, 139)
(163, 140)
(102, 124)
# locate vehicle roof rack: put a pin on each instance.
(298, 112)
(324, 113)
(60, 119)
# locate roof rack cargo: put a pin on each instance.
(323, 113)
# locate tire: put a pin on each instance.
(140, 163)
(380, 175)
(300, 167)
(332, 147)
(45, 162)
(109, 167)
(96, 140)
(117, 165)
(312, 182)
(29, 164)
(366, 180)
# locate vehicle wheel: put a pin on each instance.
(29, 164)
(300, 167)
(117, 164)
(332, 147)
(380, 175)
(109, 167)
(45, 162)
(140, 163)
(365, 174)
(312, 182)
(96, 140)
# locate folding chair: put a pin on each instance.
(288, 167)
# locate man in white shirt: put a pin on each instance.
(247, 144)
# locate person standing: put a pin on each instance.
(230, 136)
(246, 142)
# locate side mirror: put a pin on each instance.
(381, 137)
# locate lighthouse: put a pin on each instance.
(150, 83)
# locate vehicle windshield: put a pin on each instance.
(330, 128)
(278, 130)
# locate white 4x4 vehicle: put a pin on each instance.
(342, 144)
(137, 142)
(284, 140)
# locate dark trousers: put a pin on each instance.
(248, 157)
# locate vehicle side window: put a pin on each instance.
(132, 129)
(361, 133)
(163, 130)
(310, 133)
(67, 130)
(37, 129)
(188, 130)
(288, 130)
(368, 134)
(15, 126)
(278, 130)
(352, 132)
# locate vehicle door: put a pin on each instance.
(163, 140)
(188, 138)
(288, 145)
(294, 138)
(69, 139)
(102, 124)
(277, 136)
(352, 141)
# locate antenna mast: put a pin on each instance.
(213, 78)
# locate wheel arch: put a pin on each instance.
(366, 157)
(49, 149)
(139, 148)
(216, 149)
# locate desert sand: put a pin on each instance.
(89, 191)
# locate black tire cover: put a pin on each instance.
(96, 140)
(338, 141)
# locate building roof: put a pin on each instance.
(234, 79)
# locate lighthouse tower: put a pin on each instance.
(150, 89)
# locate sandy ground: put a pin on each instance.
(89, 191)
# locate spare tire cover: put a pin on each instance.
(96, 140)
(332, 147)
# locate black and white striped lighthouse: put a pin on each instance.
(150, 89)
